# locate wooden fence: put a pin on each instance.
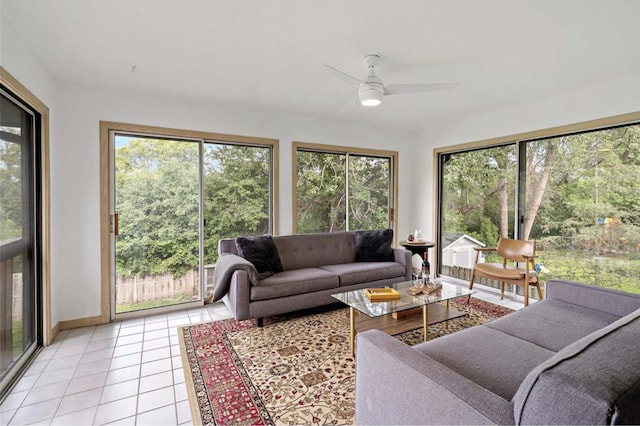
(134, 290)
(17, 297)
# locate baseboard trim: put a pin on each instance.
(52, 334)
(80, 322)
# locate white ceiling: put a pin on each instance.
(267, 54)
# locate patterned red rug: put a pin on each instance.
(294, 370)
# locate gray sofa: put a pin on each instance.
(573, 358)
(314, 267)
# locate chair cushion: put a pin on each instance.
(298, 281)
(356, 273)
(497, 270)
(552, 324)
(492, 359)
(374, 246)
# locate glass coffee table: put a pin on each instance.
(404, 314)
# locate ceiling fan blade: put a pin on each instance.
(351, 80)
(399, 89)
(348, 106)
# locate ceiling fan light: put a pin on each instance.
(370, 97)
(370, 102)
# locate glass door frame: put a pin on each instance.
(113, 228)
(30, 248)
(106, 205)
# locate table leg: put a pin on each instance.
(425, 321)
(446, 323)
(352, 330)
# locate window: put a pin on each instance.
(576, 194)
(341, 190)
(173, 195)
(20, 283)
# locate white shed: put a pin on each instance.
(458, 250)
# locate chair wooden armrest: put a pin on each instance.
(485, 249)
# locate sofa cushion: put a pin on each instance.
(313, 250)
(552, 324)
(356, 273)
(298, 281)
(492, 359)
(374, 246)
(595, 380)
(261, 251)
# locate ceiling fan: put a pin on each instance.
(371, 89)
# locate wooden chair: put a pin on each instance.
(523, 273)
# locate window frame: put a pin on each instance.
(519, 140)
(345, 150)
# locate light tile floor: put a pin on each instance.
(126, 372)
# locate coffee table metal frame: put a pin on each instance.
(357, 301)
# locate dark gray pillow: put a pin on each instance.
(262, 252)
(374, 246)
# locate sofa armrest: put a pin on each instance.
(239, 295)
(403, 256)
(611, 301)
(396, 384)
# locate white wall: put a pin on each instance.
(21, 63)
(75, 170)
(607, 99)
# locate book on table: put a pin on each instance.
(381, 294)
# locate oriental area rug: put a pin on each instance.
(297, 369)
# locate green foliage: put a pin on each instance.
(236, 193)
(320, 192)
(368, 192)
(10, 190)
(157, 199)
(323, 193)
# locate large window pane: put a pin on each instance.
(583, 206)
(368, 192)
(157, 193)
(321, 192)
(343, 191)
(237, 196)
(477, 204)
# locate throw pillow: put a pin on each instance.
(262, 252)
(374, 246)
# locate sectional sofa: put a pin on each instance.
(573, 358)
(312, 268)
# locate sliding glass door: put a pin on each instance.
(157, 201)
(576, 195)
(19, 291)
(582, 206)
(172, 200)
(477, 204)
